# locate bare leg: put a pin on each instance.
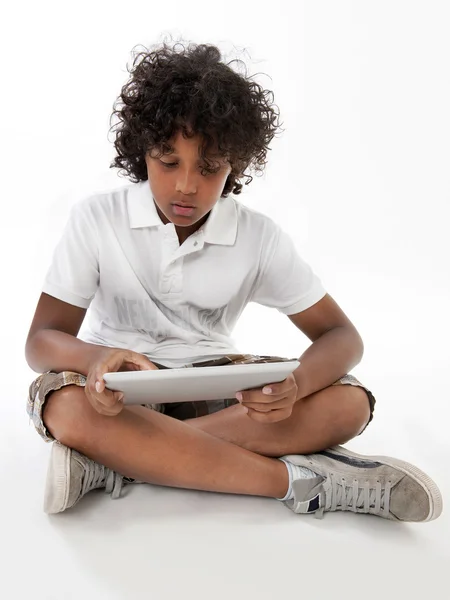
(155, 448)
(326, 418)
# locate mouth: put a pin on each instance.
(183, 210)
(183, 205)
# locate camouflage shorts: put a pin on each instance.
(48, 382)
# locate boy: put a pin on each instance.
(167, 265)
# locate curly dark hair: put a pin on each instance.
(194, 92)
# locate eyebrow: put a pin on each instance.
(175, 155)
(211, 157)
(217, 157)
(175, 151)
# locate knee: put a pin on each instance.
(357, 409)
(67, 414)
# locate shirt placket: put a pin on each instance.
(172, 257)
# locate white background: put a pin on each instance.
(359, 179)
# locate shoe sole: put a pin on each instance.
(432, 490)
(58, 475)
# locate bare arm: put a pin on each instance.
(52, 350)
(52, 344)
(337, 346)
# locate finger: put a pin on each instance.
(99, 394)
(140, 361)
(98, 385)
(111, 412)
(267, 406)
(257, 395)
(107, 410)
(110, 399)
(281, 388)
(271, 417)
(104, 396)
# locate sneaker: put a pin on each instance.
(377, 485)
(71, 475)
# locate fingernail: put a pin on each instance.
(97, 386)
(267, 390)
(239, 395)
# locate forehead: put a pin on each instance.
(189, 148)
(180, 144)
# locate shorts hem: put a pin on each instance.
(50, 381)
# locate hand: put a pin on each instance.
(274, 406)
(111, 360)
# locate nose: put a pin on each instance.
(186, 182)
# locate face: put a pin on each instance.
(177, 178)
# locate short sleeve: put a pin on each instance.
(286, 281)
(73, 275)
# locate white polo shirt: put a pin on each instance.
(175, 304)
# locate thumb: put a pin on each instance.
(147, 365)
(140, 361)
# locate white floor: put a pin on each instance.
(360, 180)
(160, 542)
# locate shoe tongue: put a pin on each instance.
(307, 494)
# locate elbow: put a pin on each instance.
(359, 346)
(354, 344)
(30, 356)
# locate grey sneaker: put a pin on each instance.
(71, 475)
(378, 485)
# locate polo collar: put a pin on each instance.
(220, 227)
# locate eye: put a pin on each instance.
(173, 165)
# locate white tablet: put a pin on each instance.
(195, 383)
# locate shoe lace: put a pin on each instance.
(98, 476)
(359, 497)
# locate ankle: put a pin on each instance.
(282, 480)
